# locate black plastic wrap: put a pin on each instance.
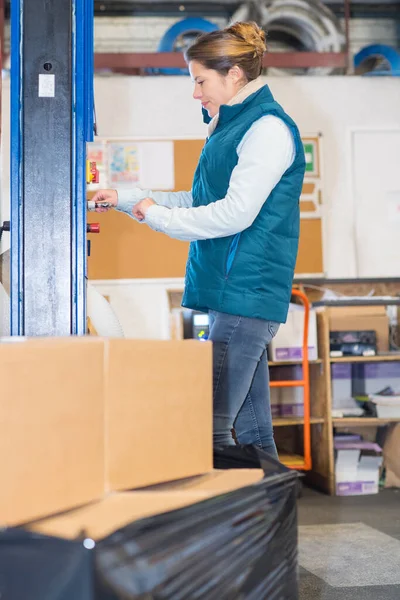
(37, 567)
(239, 545)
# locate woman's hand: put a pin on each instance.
(140, 209)
(105, 200)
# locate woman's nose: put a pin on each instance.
(197, 92)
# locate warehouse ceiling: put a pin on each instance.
(225, 8)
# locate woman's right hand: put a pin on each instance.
(108, 198)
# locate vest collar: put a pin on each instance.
(237, 103)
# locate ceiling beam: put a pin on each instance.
(159, 60)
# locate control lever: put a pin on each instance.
(91, 205)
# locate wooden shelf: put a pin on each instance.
(285, 421)
(361, 421)
(357, 359)
(284, 363)
(293, 461)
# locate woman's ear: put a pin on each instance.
(236, 74)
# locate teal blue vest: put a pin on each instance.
(249, 274)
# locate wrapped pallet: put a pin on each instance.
(231, 533)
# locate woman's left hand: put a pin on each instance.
(140, 209)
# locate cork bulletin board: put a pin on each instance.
(125, 249)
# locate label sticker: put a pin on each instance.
(47, 85)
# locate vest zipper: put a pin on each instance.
(231, 254)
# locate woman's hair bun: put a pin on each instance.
(250, 33)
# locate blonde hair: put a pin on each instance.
(242, 44)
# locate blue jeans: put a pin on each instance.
(241, 380)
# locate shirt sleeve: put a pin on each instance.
(265, 153)
(128, 198)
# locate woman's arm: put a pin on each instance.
(265, 153)
(128, 198)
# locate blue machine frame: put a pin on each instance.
(70, 305)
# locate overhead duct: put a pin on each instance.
(377, 59)
(296, 26)
(178, 37)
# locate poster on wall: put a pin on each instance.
(123, 164)
(311, 196)
(96, 152)
(129, 163)
(311, 152)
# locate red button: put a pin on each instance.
(93, 228)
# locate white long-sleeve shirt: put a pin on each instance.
(264, 154)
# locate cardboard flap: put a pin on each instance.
(102, 518)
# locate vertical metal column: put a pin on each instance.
(51, 108)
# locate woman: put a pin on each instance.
(242, 217)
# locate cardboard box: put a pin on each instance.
(51, 426)
(81, 416)
(288, 343)
(361, 318)
(119, 509)
(357, 468)
(158, 411)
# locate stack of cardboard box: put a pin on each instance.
(87, 423)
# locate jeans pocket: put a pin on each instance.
(273, 327)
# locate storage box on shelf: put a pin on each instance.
(361, 318)
(357, 466)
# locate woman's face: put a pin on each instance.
(213, 89)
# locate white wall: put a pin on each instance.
(335, 106)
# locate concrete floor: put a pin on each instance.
(359, 561)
